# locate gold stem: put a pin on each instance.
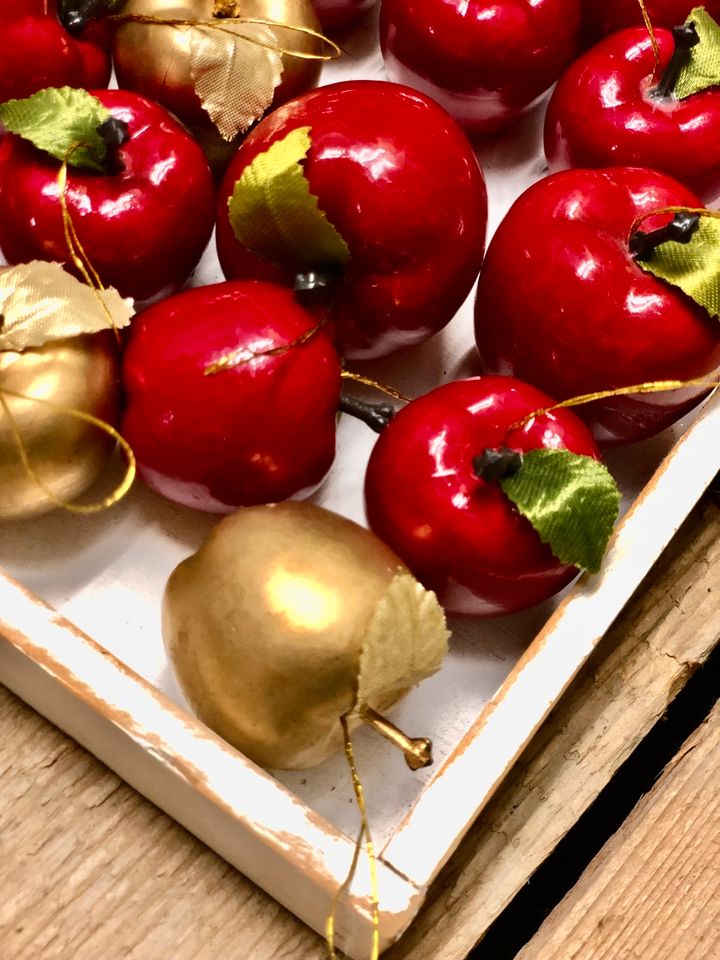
(417, 750)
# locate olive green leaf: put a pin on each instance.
(61, 121)
(572, 502)
(274, 215)
(701, 69)
(693, 267)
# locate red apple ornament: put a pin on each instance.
(612, 107)
(396, 185)
(485, 63)
(601, 17)
(37, 50)
(143, 217)
(259, 429)
(562, 303)
(434, 493)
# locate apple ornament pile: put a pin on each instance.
(134, 185)
(485, 63)
(373, 190)
(625, 104)
(567, 299)
(41, 48)
(337, 14)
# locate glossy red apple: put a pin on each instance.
(562, 303)
(143, 225)
(37, 51)
(257, 432)
(397, 178)
(459, 533)
(336, 14)
(601, 17)
(603, 112)
(484, 62)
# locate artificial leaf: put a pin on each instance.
(274, 215)
(40, 302)
(701, 69)
(63, 122)
(694, 266)
(572, 502)
(405, 642)
(234, 74)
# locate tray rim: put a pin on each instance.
(64, 686)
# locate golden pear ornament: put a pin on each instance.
(215, 73)
(290, 618)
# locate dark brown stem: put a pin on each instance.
(681, 229)
(497, 464)
(417, 750)
(685, 37)
(115, 133)
(376, 415)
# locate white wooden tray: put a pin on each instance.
(89, 655)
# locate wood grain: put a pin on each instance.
(657, 881)
(89, 869)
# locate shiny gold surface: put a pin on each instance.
(264, 627)
(66, 453)
(154, 60)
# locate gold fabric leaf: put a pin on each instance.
(234, 78)
(406, 642)
(274, 215)
(40, 302)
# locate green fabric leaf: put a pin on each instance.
(57, 120)
(701, 69)
(274, 215)
(571, 500)
(694, 267)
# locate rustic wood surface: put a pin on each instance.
(657, 881)
(89, 869)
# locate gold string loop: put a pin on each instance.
(363, 835)
(653, 40)
(655, 386)
(241, 355)
(122, 488)
(367, 382)
(218, 24)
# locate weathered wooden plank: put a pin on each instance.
(654, 889)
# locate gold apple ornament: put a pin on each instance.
(292, 622)
(219, 64)
(59, 386)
